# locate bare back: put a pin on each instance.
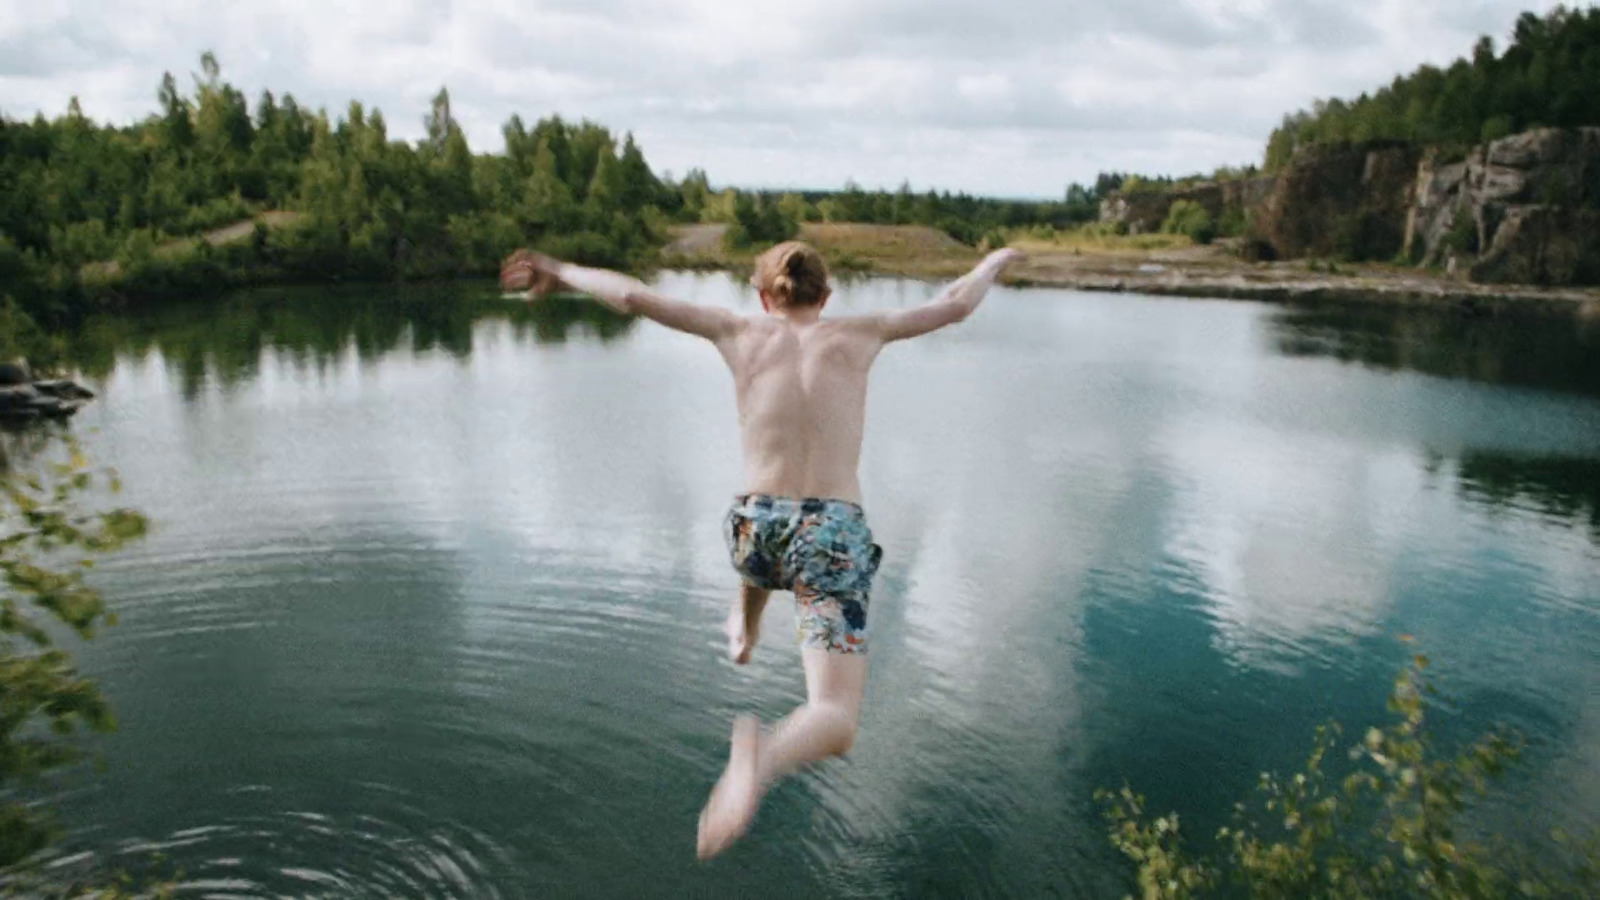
(802, 397)
(801, 380)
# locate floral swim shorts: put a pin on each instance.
(822, 550)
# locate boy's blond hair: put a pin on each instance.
(792, 274)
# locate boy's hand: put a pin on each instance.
(528, 271)
(999, 259)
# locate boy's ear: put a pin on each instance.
(766, 301)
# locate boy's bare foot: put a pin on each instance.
(733, 802)
(742, 637)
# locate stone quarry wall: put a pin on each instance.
(1339, 201)
(1144, 212)
(1524, 209)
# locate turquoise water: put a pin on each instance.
(431, 606)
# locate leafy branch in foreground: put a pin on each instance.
(1390, 828)
(47, 545)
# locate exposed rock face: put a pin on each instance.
(1536, 184)
(1519, 210)
(1341, 200)
(1144, 212)
(1523, 209)
(1542, 244)
(1438, 199)
(1247, 194)
(1535, 199)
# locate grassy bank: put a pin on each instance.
(906, 250)
(1093, 239)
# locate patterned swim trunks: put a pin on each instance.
(822, 550)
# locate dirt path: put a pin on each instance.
(241, 229)
(227, 234)
(691, 240)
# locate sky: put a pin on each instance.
(1014, 98)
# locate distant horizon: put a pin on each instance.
(1017, 102)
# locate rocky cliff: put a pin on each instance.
(1521, 210)
(1141, 212)
(1339, 201)
(1145, 211)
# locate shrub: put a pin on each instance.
(1190, 218)
(961, 230)
(1235, 222)
(588, 248)
(1390, 828)
(215, 213)
(1497, 127)
(1463, 234)
(21, 336)
(993, 240)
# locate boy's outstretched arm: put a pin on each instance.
(954, 303)
(629, 296)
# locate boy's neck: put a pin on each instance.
(799, 315)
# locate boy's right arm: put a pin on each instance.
(626, 295)
(954, 303)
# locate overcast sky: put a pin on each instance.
(1008, 97)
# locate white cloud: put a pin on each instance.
(1016, 98)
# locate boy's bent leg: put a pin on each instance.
(744, 622)
(824, 726)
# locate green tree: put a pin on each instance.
(758, 220)
(639, 186)
(606, 187)
(548, 203)
(795, 208)
(1544, 77)
(696, 193)
(178, 127)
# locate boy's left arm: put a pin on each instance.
(954, 304)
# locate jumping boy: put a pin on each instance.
(801, 388)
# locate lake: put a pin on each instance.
(432, 602)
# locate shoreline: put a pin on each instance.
(1472, 299)
(1153, 265)
(1123, 267)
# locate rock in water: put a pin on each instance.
(18, 396)
(63, 389)
(50, 399)
(15, 371)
